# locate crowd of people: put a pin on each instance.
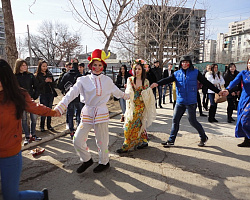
(86, 96)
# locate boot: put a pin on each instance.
(210, 115)
(229, 115)
(245, 143)
(84, 166)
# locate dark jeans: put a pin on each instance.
(70, 114)
(199, 102)
(211, 99)
(10, 168)
(179, 110)
(47, 100)
(159, 93)
(165, 91)
(230, 106)
(205, 97)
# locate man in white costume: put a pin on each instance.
(95, 89)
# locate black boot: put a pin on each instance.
(101, 168)
(84, 166)
(229, 115)
(210, 115)
(246, 143)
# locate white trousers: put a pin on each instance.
(101, 137)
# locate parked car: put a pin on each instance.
(56, 71)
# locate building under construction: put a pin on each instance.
(166, 33)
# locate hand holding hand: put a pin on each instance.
(126, 96)
(153, 85)
(223, 92)
(58, 114)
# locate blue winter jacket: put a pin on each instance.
(186, 86)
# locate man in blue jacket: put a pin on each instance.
(186, 91)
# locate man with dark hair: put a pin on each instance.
(158, 74)
(186, 90)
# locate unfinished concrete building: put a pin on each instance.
(166, 33)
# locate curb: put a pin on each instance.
(51, 137)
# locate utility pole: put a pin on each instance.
(31, 60)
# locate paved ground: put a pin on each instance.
(220, 170)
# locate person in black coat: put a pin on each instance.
(121, 83)
(27, 81)
(68, 80)
(158, 74)
(166, 73)
(46, 89)
(230, 75)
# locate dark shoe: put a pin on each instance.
(121, 151)
(122, 119)
(163, 102)
(229, 121)
(246, 143)
(171, 102)
(160, 106)
(167, 143)
(101, 168)
(42, 129)
(142, 146)
(45, 194)
(84, 166)
(232, 119)
(210, 120)
(215, 120)
(203, 115)
(51, 129)
(202, 143)
(72, 134)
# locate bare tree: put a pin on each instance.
(11, 50)
(55, 43)
(163, 31)
(105, 16)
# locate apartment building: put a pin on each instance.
(209, 51)
(173, 31)
(234, 45)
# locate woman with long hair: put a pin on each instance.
(140, 109)
(27, 81)
(13, 102)
(242, 128)
(46, 87)
(121, 83)
(215, 78)
(229, 76)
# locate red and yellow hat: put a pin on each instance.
(99, 55)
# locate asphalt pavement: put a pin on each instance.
(220, 170)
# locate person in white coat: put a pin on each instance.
(95, 89)
(216, 78)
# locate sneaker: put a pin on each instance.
(26, 141)
(203, 115)
(101, 168)
(202, 143)
(167, 143)
(35, 138)
(45, 194)
(84, 166)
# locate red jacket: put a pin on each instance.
(11, 128)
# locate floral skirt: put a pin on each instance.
(133, 127)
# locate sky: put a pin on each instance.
(25, 12)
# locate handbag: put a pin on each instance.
(219, 99)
